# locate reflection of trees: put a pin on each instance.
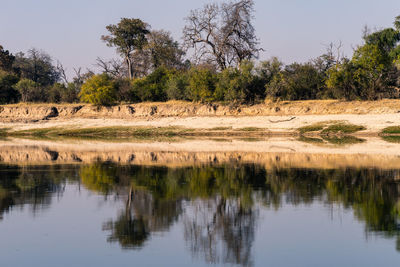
(217, 204)
(221, 231)
(223, 197)
(33, 187)
(372, 194)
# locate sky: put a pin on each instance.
(292, 30)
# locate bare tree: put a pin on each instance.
(113, 67)
(222, 34)
(61, 70)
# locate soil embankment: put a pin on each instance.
(272, 117)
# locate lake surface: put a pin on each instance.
(229, 214)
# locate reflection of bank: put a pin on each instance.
(323, 153)
(217, 204)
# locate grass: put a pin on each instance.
(343, 128)
(333, 127)
(391, 130)
(311, 128)
(221, 129)
(249, 129)
(125, 132)
(103, 132)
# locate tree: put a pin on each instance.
(222, 34)
(30, 91)
(164, 51)
(98, 90)
(296, 82)
(37, 66)
(6, 60)
(202, 81)
(161, 50)
(128, 36)
(7, 92)
(372, 72)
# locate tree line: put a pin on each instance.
(217, 61)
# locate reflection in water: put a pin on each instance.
(218, 206)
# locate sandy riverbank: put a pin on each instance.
(274, 117)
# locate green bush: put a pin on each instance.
(177, 86)
(296, 82)
(202, 82)
(99, 90)
(30, 91)
(152, 87)
(7, 92)
(240, 84)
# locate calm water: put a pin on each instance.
(105, 214)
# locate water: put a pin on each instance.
(230, 214)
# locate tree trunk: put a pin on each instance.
(130, 71)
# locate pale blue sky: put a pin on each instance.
(293, 30)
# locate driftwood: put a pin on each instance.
(292, 118)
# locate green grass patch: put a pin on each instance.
(221, 129)
(391, 130)
(249, 129)
(343, 128)
(103, 132)
(311, 128)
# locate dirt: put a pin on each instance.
(272, 116)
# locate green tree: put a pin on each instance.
(241, 84)
(372, 72)
(202, 82)
(30, 91)
(151, 87)
(98, 90)
(128, 36)
(6, 60)
(177, 84)
(8, 94)
(37, 66)
(296, 82)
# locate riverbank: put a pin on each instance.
(192, 119)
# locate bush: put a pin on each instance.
(177, 86)
(202, 83)
(7, 92)
(296, 82)
(99, 90)
(240, 85)
(30, 91)
(152, 87)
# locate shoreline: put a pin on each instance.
(178, 118)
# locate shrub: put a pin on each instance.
(202, 83)
(7, 92)
(240, 85)
(177, 86)
(152, 87)
(98, 90)
(30, 91)
(296, 82)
